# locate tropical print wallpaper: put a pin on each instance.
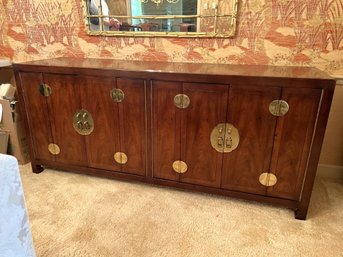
(273, 32)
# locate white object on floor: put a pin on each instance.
(15, 233)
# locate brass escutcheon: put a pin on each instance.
(120, 157)
(117, 95)
(45, 90)
(278, 107)
(267, 179)
(181, 101)
(83, 122)
(54, 149)
(224, 138)
(180, 166)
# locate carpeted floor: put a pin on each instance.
(76, 215)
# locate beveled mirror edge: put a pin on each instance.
(231, 33)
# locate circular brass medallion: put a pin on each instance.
(181, 101)
(278, 107)
(120, 157)
(45, 90)
(117, 95)
(83, 122)
(224, 138)
(180, 166)
(54, 149)
(268, 179)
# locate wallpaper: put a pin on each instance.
(274, 32)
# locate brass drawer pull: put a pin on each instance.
(83, 122)
(224, 138)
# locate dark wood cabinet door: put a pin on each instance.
(119, 127)
(37, 110)
(183, 134)
(166, 133)
(249, 113)
(293, 141)
(104, 141)
(132, 120)
(207, 108)
(63, 102)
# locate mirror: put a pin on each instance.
(166, 18)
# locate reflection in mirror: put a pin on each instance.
(183, 18)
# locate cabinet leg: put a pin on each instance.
(300, 214)
(37, 168)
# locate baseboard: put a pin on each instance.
(330, 171)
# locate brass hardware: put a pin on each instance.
(54, 149)
(181, 101)
(45, 90)
(120, 157)
(117, 95)
(278, 107)
(83, 122)
(267, 179)
(224, 138)
(180, 167)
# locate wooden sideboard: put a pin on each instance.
(252, 132)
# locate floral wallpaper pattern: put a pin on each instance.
(274, 32)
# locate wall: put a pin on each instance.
(277, 32)
(332, 151)
(274, 32)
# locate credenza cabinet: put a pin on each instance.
(252, 132)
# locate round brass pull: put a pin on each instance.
(117, 95)
(181, 101)
(224, 138)
(278, 107)
(180, 166)
(83, 122)
(120, 157)
(54, 149)
(45, 90)
(268, 179)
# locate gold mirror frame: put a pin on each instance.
(230, 32)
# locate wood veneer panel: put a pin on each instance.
(36, 107)
(249, 113)
(63, 103)
(132, 124)
(208, 104)
(103, 142)
(166, 129)
(293, 140)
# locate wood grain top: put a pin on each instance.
(181, 68)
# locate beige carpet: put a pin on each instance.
(78, 215)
